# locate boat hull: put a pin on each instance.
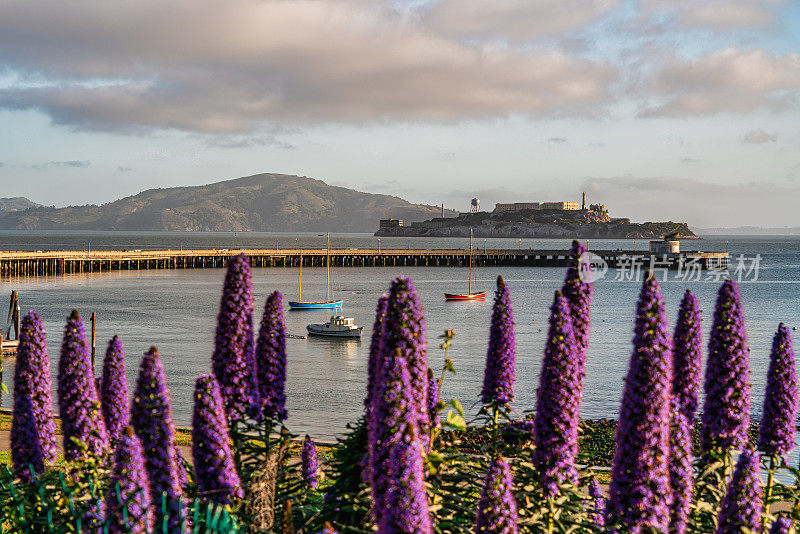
(316, 330)
(465, 296)
(331, 304)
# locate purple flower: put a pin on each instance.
(639, 495)
(597, 516)
(726, 414)
(433, 398)
(33, 431)
(309, 458)
(579, 295)
(180, 463)
(151, 418)
(558, 401)
(392, 422)
(779, 417)
(680, 470)
(405, 331)
(741, 507)
(114, 390)
(686, 369)
(128, 497)
(215, 472)
(498, 377)
(81, 417)
(271, 359)
(497, 510)
(376, 351)
(782, 525)
(233, 362)
(406, 503)
(327, 529)
(687, 356)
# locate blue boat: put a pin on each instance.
(326, 304)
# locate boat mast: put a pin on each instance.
(328, 268)
(469, 285)
(300, 298)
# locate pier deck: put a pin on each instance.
(54, 263)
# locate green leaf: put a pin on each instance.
(448, 365)
(455, 422)
(5, 389)
(457, 406)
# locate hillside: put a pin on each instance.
(263, 202)
(15, 204)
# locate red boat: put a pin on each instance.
(466, 296)
(469, 295)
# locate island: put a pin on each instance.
(536, 219)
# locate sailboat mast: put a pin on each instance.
(328, 269)
(300, 297)
(469, 285)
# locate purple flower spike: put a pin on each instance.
(686, 369)
(327, 529)
(741, 507)
(782, 525)
(558, 401)
(579, 295)
(726, 413)
(498, 377)
(151, 418)
(639, 495)
(406, 503)
(393, 422)
(233, 362)
(129, 489)
(217, 480)
(405, 331)
(433, 398)
(597, 517)
(33, 431)
(81, 417)
(114, 390)
(779, 417)
(309, 458)
(497, 510)
(376, 350)
(271, 359)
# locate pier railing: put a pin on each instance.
(48, 263)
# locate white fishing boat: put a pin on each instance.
(338, 326)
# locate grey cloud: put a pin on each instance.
(125, 169)
(699, 203)
(517, 21)
(690, 160)
(70, 163)
(557, 140)
(727, 80)
(759, 136)
(230, 68)
(719, 15)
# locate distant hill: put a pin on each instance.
(15, 204)
(751, 230)
(263, 202)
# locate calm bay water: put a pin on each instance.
(176, 311)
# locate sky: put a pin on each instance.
(661, 109)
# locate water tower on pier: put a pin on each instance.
(475, 205)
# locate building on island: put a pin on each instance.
(519, 206)
(391, 223)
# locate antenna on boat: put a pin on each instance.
(328, 268)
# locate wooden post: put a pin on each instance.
(94, 336)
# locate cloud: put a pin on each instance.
(690, 160)
(72, 163)
(517, 21)
(557, 140)
(759, 136)
(125, 169)
(720, 15)
(701, 204)
(727, 80)
(229, 68)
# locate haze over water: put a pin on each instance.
(176, 311)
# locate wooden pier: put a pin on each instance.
(56, 263)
